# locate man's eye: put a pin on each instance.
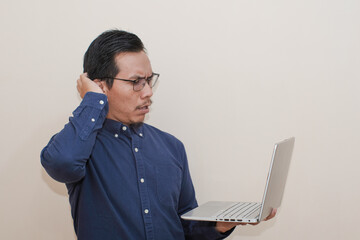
(139, 81)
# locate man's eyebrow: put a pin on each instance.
(136, 76)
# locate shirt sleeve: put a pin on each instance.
(65, 156)
(195, 230)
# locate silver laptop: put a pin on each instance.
(252, 212)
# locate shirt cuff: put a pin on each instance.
(225, 234)
(90, 115)
(96, 100)
(220, 235)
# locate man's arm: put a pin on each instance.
(194, 230)
(66, 155)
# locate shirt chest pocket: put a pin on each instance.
(168, 182)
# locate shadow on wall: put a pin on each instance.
(57, 187)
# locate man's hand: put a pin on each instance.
(85, 84)
(226, 226)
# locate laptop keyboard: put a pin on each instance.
(239, 210)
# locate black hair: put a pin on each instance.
(99, 59)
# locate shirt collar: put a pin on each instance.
(116, 127)
(138, 128)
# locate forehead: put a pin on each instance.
(133, 63)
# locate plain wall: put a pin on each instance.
(236, 76)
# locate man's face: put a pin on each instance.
(126, 105)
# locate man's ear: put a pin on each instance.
(102, 85)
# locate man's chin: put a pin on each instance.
(137, 124)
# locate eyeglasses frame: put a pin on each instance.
(136, 81)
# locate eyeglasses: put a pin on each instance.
(139, 83)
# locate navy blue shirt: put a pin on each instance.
(123, 182)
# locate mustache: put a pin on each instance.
(147, 103)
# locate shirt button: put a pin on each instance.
(116, 135)
(93, 119)
(140, 134)
(146, 211)
(136, 149)
(142, 180)
(124, 128)
(101, 102)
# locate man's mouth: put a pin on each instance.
(145, 106)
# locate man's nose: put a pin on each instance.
(146, 91)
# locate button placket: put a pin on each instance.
(143, 191)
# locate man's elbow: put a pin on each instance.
(62, 168)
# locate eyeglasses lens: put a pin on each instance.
(138, 86)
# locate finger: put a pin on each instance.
(78, 84)
(272, 214)
(84, 77)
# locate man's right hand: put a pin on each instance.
(85, 84)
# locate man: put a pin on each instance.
(125, 179)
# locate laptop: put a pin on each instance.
(252, 212)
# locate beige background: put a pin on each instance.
(236, 76)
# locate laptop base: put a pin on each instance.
(219, 211)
